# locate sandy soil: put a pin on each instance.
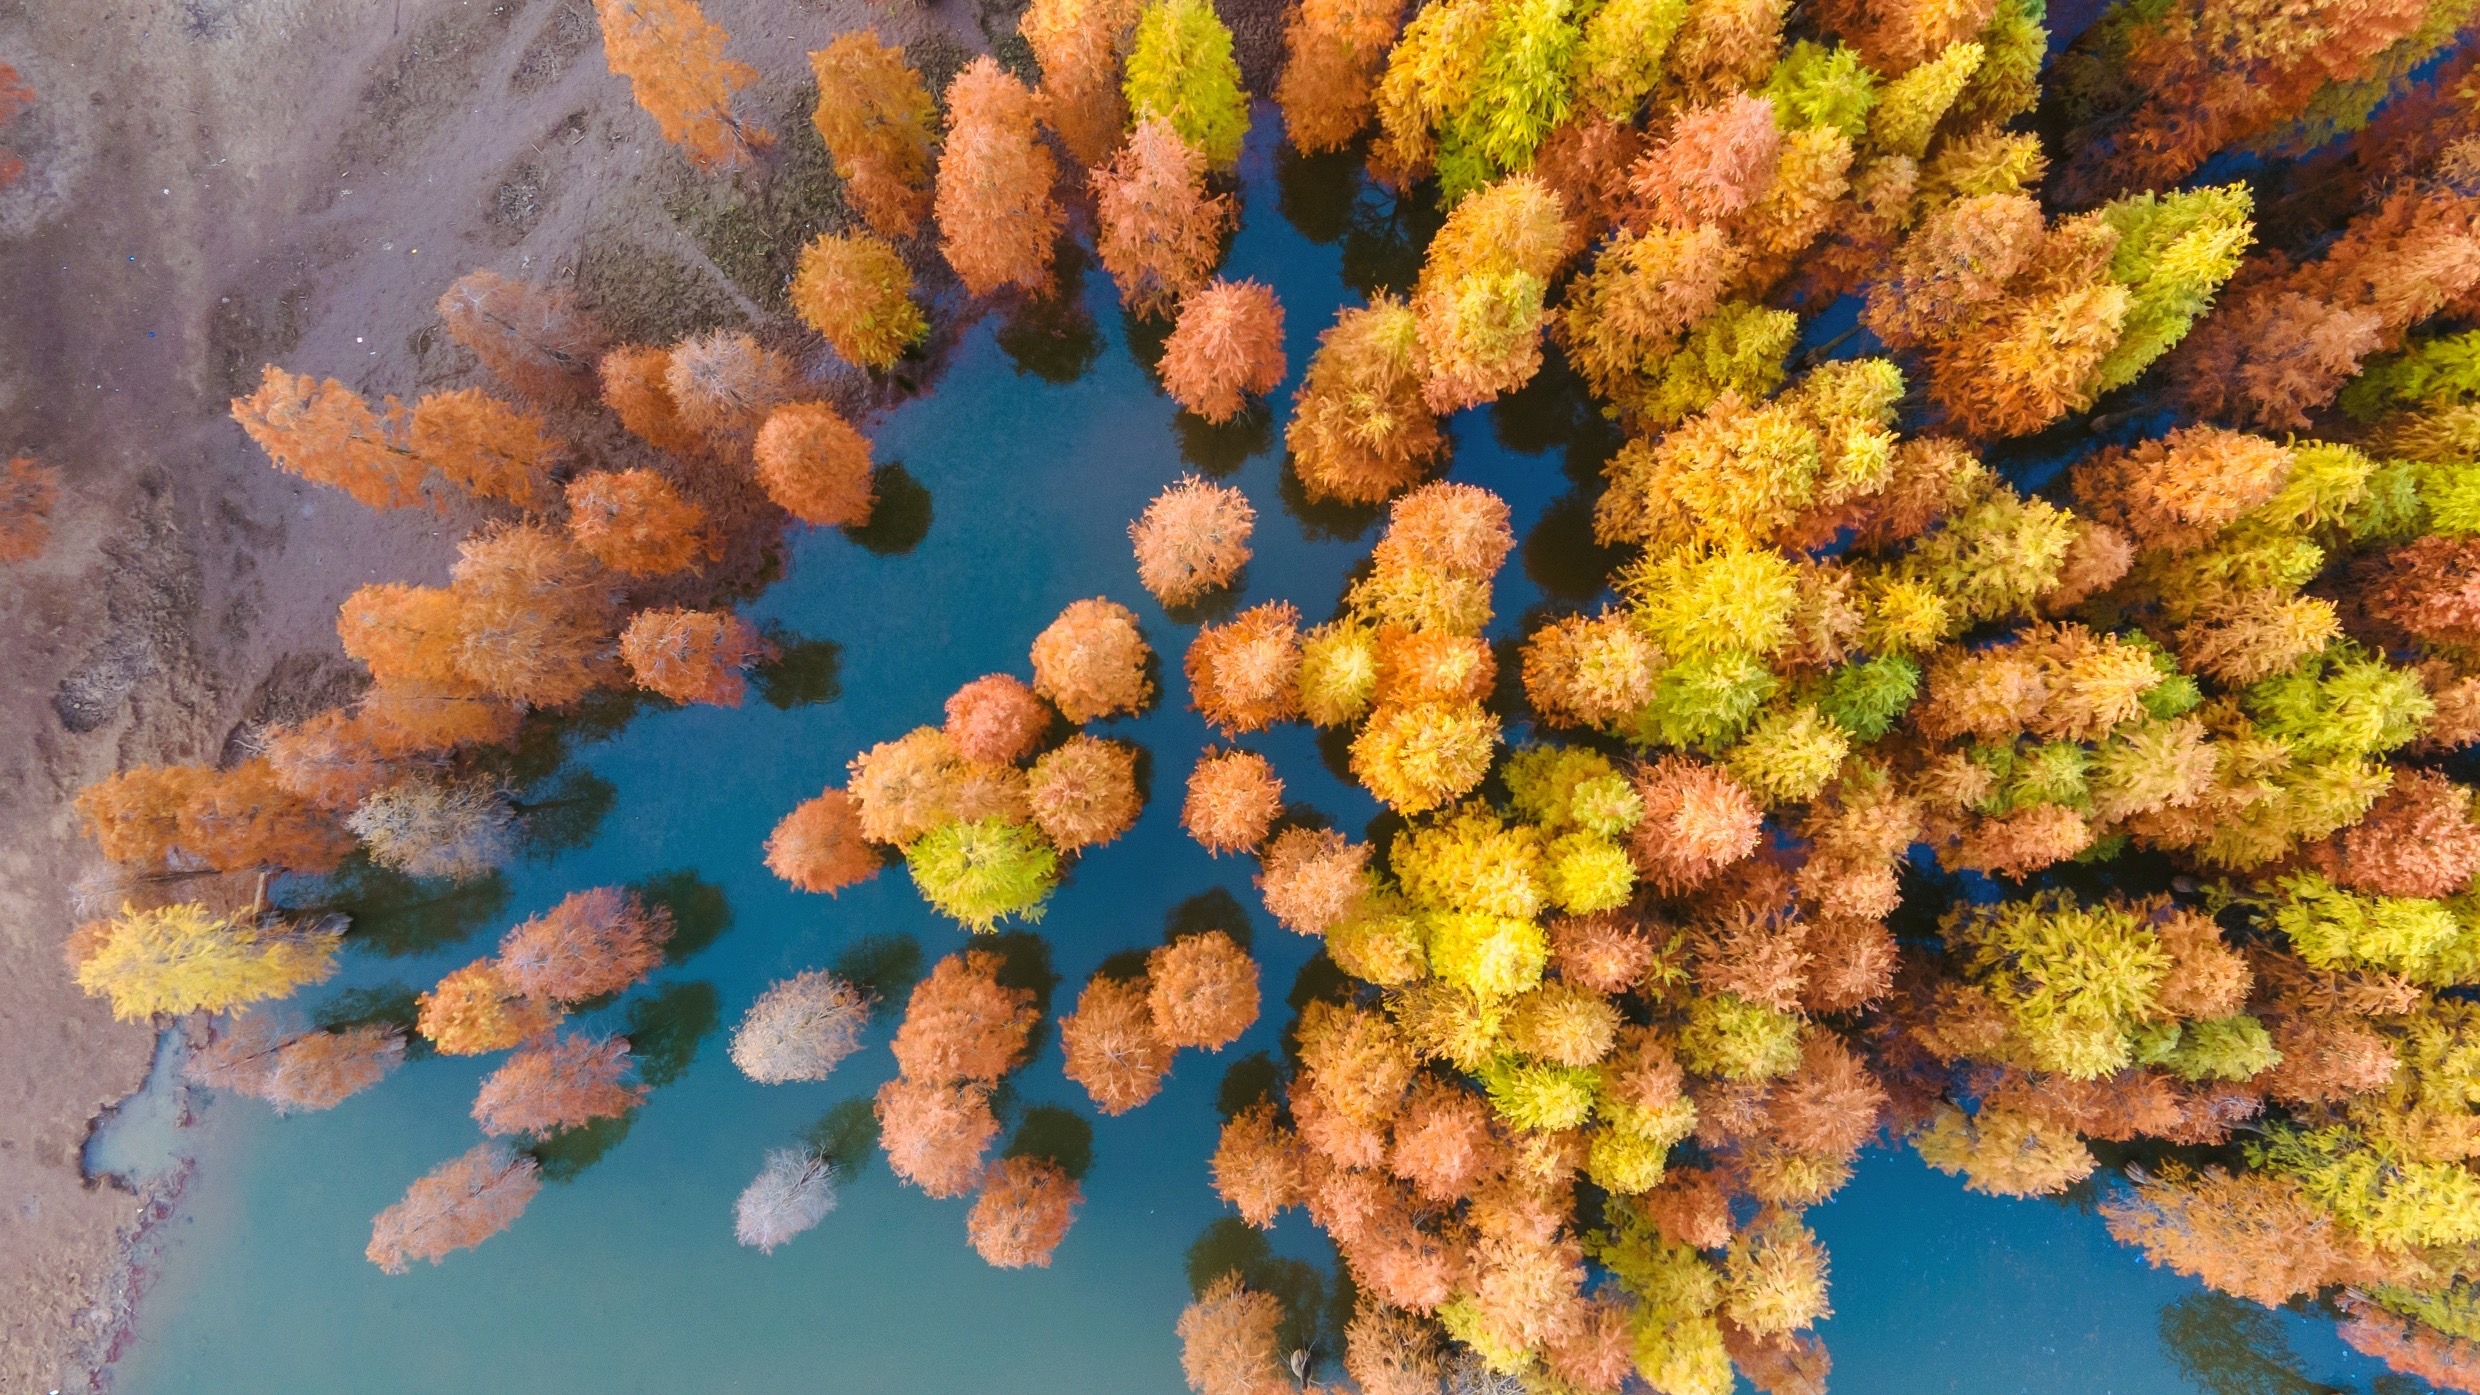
(217, 183)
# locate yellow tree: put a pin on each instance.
(672, 55)
(186, 958)
(874, 117)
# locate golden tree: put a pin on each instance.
(455, 1206)
(324, 432)
(1361, 429)
(874, 116)
(693, 655)
(484, 446)
(636, 385)
(673, 57)
(815, 466)
(1333, 51)
(857, 293)
(1226, 348)
(997, 216)
(1160, 231)
(185, 958)
(635, 521)
(1078, 44)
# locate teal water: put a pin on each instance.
(623, 1276)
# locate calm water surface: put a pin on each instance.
(623, 1276)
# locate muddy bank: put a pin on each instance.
(212, 184)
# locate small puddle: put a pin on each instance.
(139, 1143)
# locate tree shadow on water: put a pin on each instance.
(2225, 1346)
(397, 916)
(803, 672)
(1232, 1246)
(901, 517)
(700, 914)
(566, 1154)
(387, 1005)
(1316, 193)
(884, 966)
(1324, 520)
(665, 1029)
(1218, 448)
(565, 813)
(1024, 963)
(845, 1136)
(1561, 555)
(1055, 1135)
(1247, 1083)
(1052, 337)
(1212, 909)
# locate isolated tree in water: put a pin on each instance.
(272, 1056)
(1226, 349)
(571, 1081)
(791, 1194)
(533, 339)
(816, 466)
(997, 217)
(801, 1028)
(693, 655)
(1024, 1211)
(27, 493)
(672, 56)
(596, 941)
(475, 1010)
(1161, 232)
(184, 958)
(875, 118)
(1192, 539)
(819, 846)
(457, 1206)
(857, 293)
(963, 1024)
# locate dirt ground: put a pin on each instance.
(211, 185)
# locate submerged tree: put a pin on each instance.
(455, 1206)
(693, 655)
(1226, 348)
(1024, 1210)
(1192, 539)
(1160, 231)
(272, 1057)
(792, 1193)
(800, 1028)
(572, 1081)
